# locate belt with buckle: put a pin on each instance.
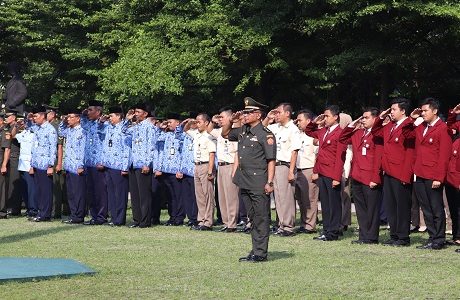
(304, 169)
(282, 163)
(224, 163)
(201, 162)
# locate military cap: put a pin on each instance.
(174, 116)
(10, 111)
(251, 104)
(50, 108)
(115, 110)
(39, 109)
(95, 103)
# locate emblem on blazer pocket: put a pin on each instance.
(430, 141)
(396, 140)
(328, 142)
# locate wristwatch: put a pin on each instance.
(270, 183)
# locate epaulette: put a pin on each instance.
(266, 129)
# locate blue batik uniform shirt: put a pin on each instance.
(144, 150)
(74, 158)
(116, 147)
(93, 147)
(187, 159)
(170, 157)
(44, 146)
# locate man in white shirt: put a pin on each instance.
(287, 146)
(306, 191)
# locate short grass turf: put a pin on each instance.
(177, 263)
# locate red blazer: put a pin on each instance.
(453, 169)
(432, 151)
(398, 148)
(366, 164)
(452, 122)
(331, 153)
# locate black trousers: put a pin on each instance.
(258, 208)
(60, 201)
(433, 209)
(175, 207)
(397, 203)
(3, 195)
(14, 187)
(76, 194)
(189, 199)
(367, 204)
(97, 189)
(331, 206)
(117, 189)
(453, 199)
(43, 193)
(157, 186)
(140, 187)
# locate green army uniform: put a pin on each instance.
(5, 143)
(14, 186)
(256, 146)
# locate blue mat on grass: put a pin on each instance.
(25, 268)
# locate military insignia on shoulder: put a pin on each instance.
(8, 136)
(267, 130)
(270, 140)
(61, 138)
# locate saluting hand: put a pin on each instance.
(385, 113)
(356, 122)
(130, 114)
(457, 109)
(416, 113)
(319, 119)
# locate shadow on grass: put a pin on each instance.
(275, 255)
(34, 234)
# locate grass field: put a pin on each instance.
(176, 263)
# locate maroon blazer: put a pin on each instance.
(452, 122)
(453, 169)
(367, 155)
(331, 153)
(398, 148)
(432, 151)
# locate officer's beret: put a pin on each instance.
(39, 109)
(95, 103)
(250, 103)
(115, 110)
(174, 116)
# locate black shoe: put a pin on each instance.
(401, 243)
(246, 258)
(133, 225)
(431, 246)
(241, 223)
(285, 233)
(178, 223)
(72, 222)
(191, 223)
(274, 229)
(6, 217)
(204, 228)
(144, 225)
(304, 230)
(92, 222)
(253, 258)
(320, 238)
(389, 242)
(38, 219)
(457, 250)
(223, 229)
(169, 223)
(246, 230)
(414, 229)
(344, 228)
(230, 230)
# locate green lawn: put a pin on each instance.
(176, 263)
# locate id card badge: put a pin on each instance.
(172, 151)
(364, 151)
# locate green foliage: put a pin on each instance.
(203, 54)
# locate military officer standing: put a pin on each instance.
(96, 185)
(74, 165)
(255, 172)
(13, 187)
(116, 158)
(144, 159)
(42, 163)
(5, 144)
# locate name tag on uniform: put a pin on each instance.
(254, 139)
(172, 151)
(364, 151)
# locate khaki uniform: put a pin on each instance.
(5, 143)
(287, 140)
(306, 191)
(203, 145)
(228, 191)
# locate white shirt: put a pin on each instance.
(307, 152)
(226, 150)
(287, 140)
(25, 138)
(203, 145)
(430, 125)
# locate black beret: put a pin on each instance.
(74, 111)
(174, 116)
(39, 109)
(144, 106)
